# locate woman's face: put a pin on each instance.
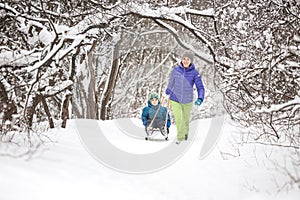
(186, 62)
(154, 101)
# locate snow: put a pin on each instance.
(279, 107)
(201, 55)
(18, 58)
(293, 64)
(241, 26)
(65, 170)
(48, 57)
(297, 38)
(208, 12)
(52, 90)
(46, 36)
(170, 14)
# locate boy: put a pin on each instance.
(150, 111)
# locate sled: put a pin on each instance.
(152, 128)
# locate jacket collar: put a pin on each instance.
(190, 68)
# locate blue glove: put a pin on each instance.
(198, 102)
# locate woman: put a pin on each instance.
(180, 91)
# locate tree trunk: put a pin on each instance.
(85, 105)
(111, 82)
(31, 110)
(91, 107)
(46, 108)
(65, 110)
(65, 105)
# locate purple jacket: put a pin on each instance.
(182, 80)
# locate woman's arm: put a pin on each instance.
(199, 85)
(170, 84)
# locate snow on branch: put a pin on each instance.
(206, 58)
(57, 50)
(49, 56)
(15, 12)
(76, 41)
(280, 107)
(59, 87)
(18, 58)
(167, 11)
(171, 14)
(205, 13)
(106, 7)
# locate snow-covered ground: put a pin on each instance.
(65, 170)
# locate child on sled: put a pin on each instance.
(155, 116)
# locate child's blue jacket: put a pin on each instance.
(150, 110)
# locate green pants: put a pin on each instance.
(182, 114)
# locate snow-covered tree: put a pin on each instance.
(43, 45)
(104, 57)
(100, 59)
(259, 67)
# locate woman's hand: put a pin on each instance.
(198, 102)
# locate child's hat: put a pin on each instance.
(153, 95)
